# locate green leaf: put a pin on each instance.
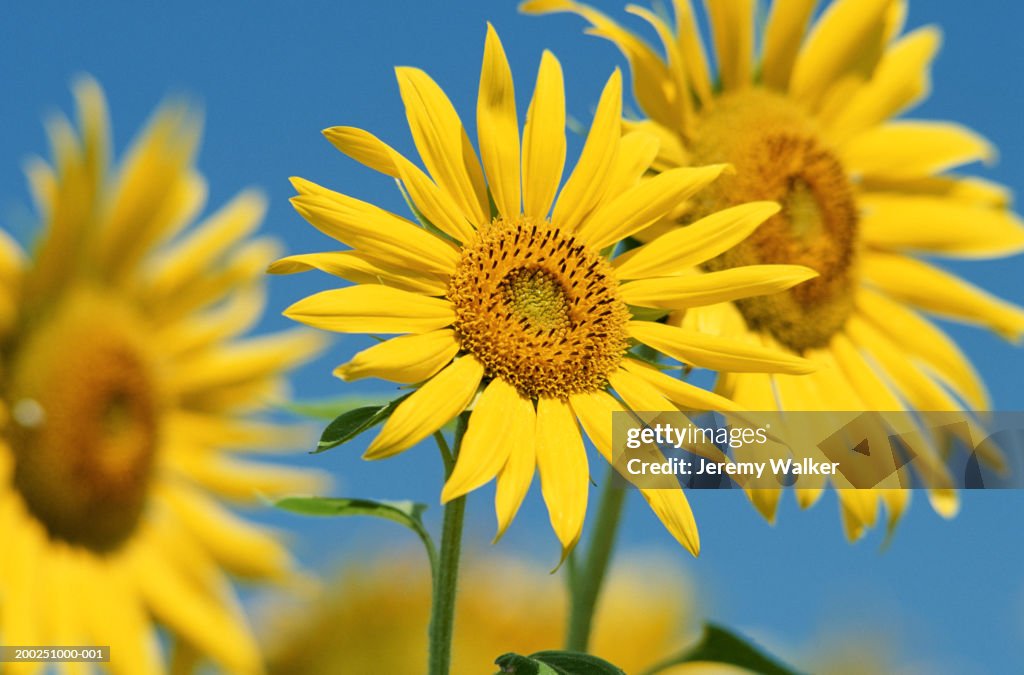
(329, 408)
(409, 514)
(719, 645)
(524, 665)
(351, 423)
(556, 663)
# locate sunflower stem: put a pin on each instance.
(586, 576)
(442, 606)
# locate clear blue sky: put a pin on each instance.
(271, 76)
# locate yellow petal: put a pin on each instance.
(901, 79)
(637, 151)
(254, 358)
(939, 292)
(673, 510)
(238, 546)
(677, 89)
(846, 41)
(732, 24)
(594, 411)
(363, 147)
(488, 442)
(787, 23)
(650, 74)
(906, 149)
(429, 408)
(862, 376)
(388, 238)
(362, 269)
(679, 250)
(971, 190)
(515, 477)
(435, 204)
(716, 353)
(242, 481)
(564, 476)
(714, 287)
(544, 139)
(926, 342)
(939, 226)
(498, 127)
(408, 359)
(202, 248)
(115, 612)
(583, 188)
(691, 48)
(681, 393)
(372, 309)
(640, 206)
(442, 143)
(213, 623)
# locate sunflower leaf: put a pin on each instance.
(556, 663)
(407, 513)
(351, 423)
(720, 645)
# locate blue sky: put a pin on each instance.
(270, 77)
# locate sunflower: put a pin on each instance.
(127, 395)
(371, 618)
(516, 310)
(808, 124)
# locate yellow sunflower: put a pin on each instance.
(516, 310)
(127, 393)
(808, 123)
(372, 622)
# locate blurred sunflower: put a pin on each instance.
(373, 622)
(517, 311)
(808, 124)
(127, 394)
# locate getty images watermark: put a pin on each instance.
(843, 449)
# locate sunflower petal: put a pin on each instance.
(362, 269)
(408, 359)
(846, 40)
(442, 142)
(906, 149)
(674, 512)
(363, 147)
(429, 408)
(787, 23)
(941, 293)
(564, 476)
(388, 238)
(640, 206)
(516, 475)
(900, 80)
(732, 24)
(714, 287)
(677, 391)
(488, 442)
(544, 139)
(678, 251)
(939, 226)
(583, 188)
(928, 343)
(498, 127)
(370, 308)
(716, 353)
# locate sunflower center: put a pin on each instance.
(84, 422)
(779, 156)
(539, 309)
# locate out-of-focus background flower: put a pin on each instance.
(271, 77)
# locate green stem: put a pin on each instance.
(442, 607)
(587, 575)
